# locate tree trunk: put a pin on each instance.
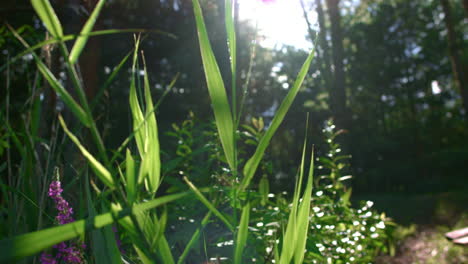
(465, 5)
(459, 72)
(338, 92)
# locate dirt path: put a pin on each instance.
(427, 246)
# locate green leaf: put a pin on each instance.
(229, 7)
(252, 164)
(64, 95)
(242, 234)
(81, 41)
(264, 189)
(208, 204)
(58, 88)
(130, 178)
(100, 171)
(47, 15)
(216, 89)
(303, 216)
(32, 243)
(154, 172)
(194, 239)
(104, 246)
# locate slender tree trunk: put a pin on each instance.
(324, 44)
(338, 92)
(465, 5)
(459, 71)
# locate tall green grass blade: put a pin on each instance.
(264, 190)
(103, 174)
(137, 114)
(81, 41)
(144, 259)
(109, 80)
(72, 37)
(47, 15)
(194, 239)
(295, 237)
(165, 251)
(303, 216)
(154, 173)
(290, 236)
(64, 95)
(32, 243)
(208, 204)
(56, 86)
(216, 89)
(242, 234)
(252, 164)
(130, 178)
(141, 124)
(104, 246)
(229, 7)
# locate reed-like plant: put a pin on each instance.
(127, 191)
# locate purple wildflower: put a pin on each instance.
(72, 253)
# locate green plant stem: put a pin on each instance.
(82, 97)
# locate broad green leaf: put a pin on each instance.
(252, 164)
(216, 89)
(242, 234)
(32, 243)
(102, 173)
(208, 204)
(81, 41)
(47, 15)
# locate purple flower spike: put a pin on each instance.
(72, 253)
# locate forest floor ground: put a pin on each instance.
(422, 220)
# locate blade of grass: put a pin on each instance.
(103, 174)
(88, 26)
(55, 85)
(137, 114)
(242, 234)
(104, 247)
(252, 164)
(130, 178)
(32, 243)
(303, 216)
(154, 173)
(109, 80)
(72, 37)
(208, 204)
(194, 239)
(216, 89)
(47, 15)
(142, 123)
(229, 8)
